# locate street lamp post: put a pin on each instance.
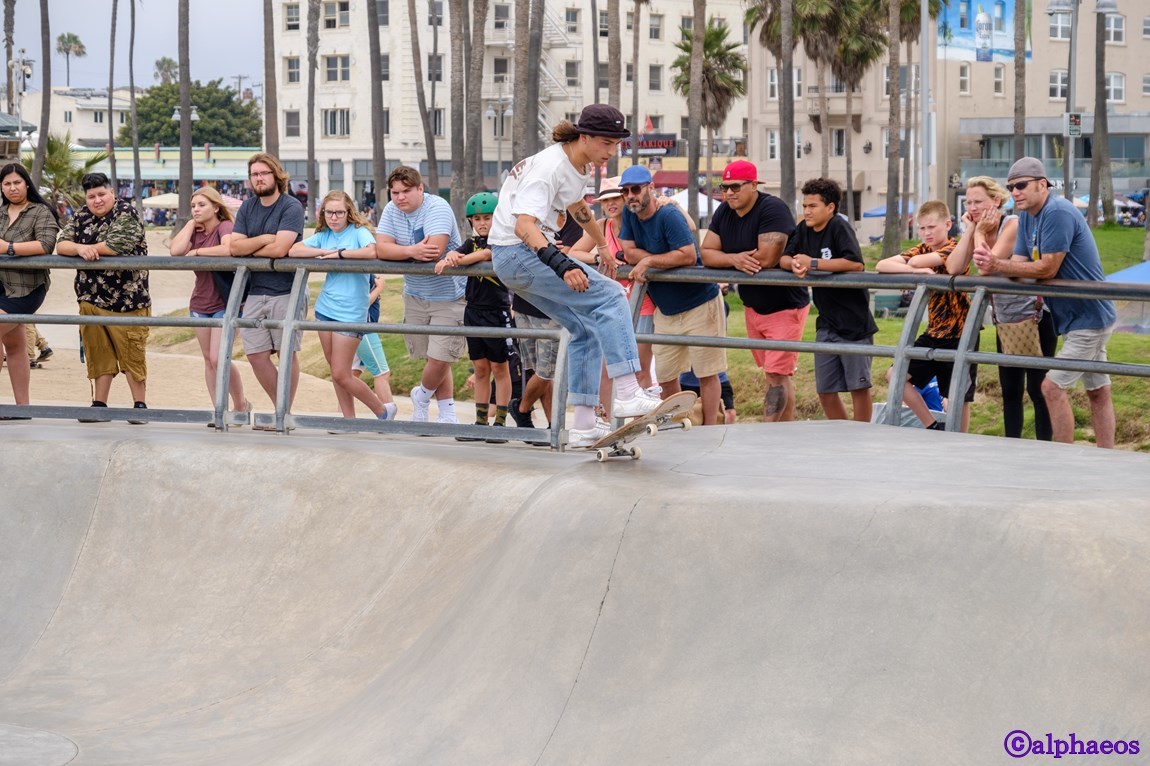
(1058, 7)
(497, 111)
(185, 117)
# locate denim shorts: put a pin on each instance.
(349, 333)
(214, 315)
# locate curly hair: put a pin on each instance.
(825, 188)
(354, 217)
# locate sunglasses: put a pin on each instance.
(635, 189)
(1020, 185)
(733, 187)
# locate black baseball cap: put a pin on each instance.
(602, 120)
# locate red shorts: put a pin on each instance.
(780, 325)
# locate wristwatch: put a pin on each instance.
(11, 248)
(339, 253)
(814, 264)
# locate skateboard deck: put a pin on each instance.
(615, 443)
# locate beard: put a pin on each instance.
(268, 192)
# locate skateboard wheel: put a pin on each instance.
(601, 455)
(652, 429)
(687, 425)
(636, 453)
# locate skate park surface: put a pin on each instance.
(803, 593)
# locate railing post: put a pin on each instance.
(898, 371)
(559, 390)
(227, 340)
(959, 377)
(296, 301)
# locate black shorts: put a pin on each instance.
(492, 349)
(29, 304)
(922, 370)
(728, 393)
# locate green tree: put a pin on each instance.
(224, 119)
(68, 45)
(63, 169)
(723, 71)
(167, 71)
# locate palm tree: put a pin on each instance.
(111, 87)
(522, 73)
(45, 92)
(635, 79)
(137, 181)
(1101, 181)
(594, 30)
(695, 105)
(1021, 17)
(535, 53)
(893, 225)
(473, 117)
(69, 45)
(271, 105)
(9, 32)
(421, 98)
(722, 83)
(775, 20)
(166, 70)
(183, 23)
(819, 25)
(63, 168)
(614, 68)
(313, 8)
(378, 155)
(460, 63)
(857, 52)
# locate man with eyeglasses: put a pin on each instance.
(267, 225)
(658, 237)
(748, 232)
(1057, 244)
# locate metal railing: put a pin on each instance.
(283, 421)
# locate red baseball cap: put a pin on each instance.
(741, 170)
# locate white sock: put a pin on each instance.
(626, 386)
(446, 406)
(584, 417)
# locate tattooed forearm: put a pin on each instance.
(582, 214)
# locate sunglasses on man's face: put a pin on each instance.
(1020, 185)
(733, 187)
(634, 189)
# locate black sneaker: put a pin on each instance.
(522, 419)
(91, 419)
(495, 440)
(45, 355)
(138, 406)
(936, 426)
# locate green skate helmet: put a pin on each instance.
(483, 202)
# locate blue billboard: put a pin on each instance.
(980, 30)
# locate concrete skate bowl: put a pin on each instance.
(805, 593)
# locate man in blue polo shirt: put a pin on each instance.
(417, 226)
(1054, 242)
(655, 237)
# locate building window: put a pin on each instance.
(385, 67)
(336, 123)
(336, 14)
(1059, 82)
(291, 124)
(572, 21)
(686, 26)
(1115, 88)
(604, 23)
(435, 67)
(68, 114)
(501, 67)
(337, 68)
(656, 122)
(685, 128)
(602, 78)
(1145, 92)
(1000, 79)
(1060, 26)
(655, 77)
(502, 16)
(798, 144)
(572, 72)
(999, 16)
(123, 118)
(901, 142)
(964, 14)
(964, 79)
(656, 31)
(1115, 28)
(386, 122)
(798, 82)
(437, 123)
(499, 123)
(772, 144)
(382, 13)
(291, 17)
(630, 23)
(1146, 26)
(98, 118)
(773, 84)
(291, 69)
(838, 142)
(435, 13)
(629, 73)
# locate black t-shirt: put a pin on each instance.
(484, 292)
(844, 310)
(741, 233)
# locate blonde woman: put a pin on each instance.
(986, 226)
(207, 233)
(343, 233)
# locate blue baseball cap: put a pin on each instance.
(636, 174)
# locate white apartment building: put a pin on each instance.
(970, 87)
(567, 81)
(82, 112)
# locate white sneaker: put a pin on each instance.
(389, 411)
(638, 405)
(447, 417)
(654, 390)
(420, 402)
(577, 438)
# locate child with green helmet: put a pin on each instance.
(488, 305)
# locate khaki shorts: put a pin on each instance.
(259, 339)
(1082, 344)
(442, 348)
(672, 361)
(538, 355)
(112, 350)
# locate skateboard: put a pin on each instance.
(614, 443)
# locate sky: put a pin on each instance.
(226, 39)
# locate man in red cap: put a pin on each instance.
(748, 232)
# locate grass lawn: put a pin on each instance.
(1119, 246)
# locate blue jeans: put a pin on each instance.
(598, 319)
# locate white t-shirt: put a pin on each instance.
(542, 186)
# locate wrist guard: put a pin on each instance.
(555, 260)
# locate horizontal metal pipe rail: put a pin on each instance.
(901, 353)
